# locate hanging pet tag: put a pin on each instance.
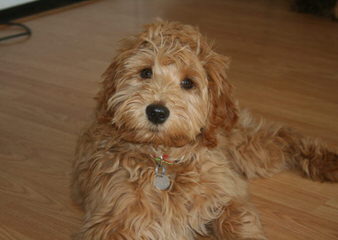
(161, 180)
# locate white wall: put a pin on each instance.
(11, 3)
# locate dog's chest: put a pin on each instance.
(196, 196)
(198, 193)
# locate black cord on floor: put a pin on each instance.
(27, 31)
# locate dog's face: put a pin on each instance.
(167, 87)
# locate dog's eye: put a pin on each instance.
(187, 83)
(146, 73)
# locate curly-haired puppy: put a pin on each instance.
(168, 152)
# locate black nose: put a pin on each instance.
(157, 113)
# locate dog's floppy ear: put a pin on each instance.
(110, 76)
(223, 111)
(107, 90)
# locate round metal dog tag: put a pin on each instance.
(162, 182)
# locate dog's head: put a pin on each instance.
(167, 86)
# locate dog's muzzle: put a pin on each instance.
(157, 113)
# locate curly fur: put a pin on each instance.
(217, 146)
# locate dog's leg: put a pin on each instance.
(115, 210)
(117, 220)
(239, 221)
(311, 156)
(262, 149)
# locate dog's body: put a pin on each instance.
(166, 93)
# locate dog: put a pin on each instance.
(168, 152)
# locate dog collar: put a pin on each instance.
(164, 159)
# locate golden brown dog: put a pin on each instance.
(168, 152)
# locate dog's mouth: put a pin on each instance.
(154, 130)
(155, 135)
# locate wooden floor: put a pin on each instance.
(285, 67)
